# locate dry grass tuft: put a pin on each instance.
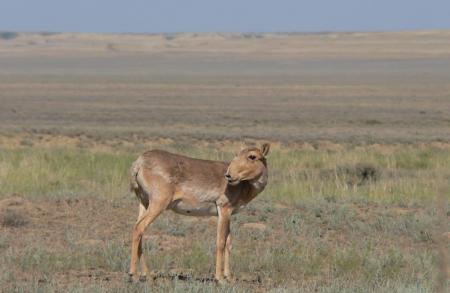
(14, 219)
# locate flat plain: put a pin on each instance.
(360, 130)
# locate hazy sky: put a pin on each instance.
(147, 16)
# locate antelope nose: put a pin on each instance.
(228, 176)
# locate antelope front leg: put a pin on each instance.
(228, 247)
(223, 230)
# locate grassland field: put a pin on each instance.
(357, 199)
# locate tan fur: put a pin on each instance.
(162, 180)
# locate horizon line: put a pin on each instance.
(299, 32)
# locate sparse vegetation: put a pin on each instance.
(13, 219)
(330, 234)
(391, 174)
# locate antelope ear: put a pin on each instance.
(265, 149)
(241, 148)
(236, 152)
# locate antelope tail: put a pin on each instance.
(135, 167)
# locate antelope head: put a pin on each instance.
(249, 165)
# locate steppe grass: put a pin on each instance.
(391, 174)
(309, 248)
(55, 172)
(335, 219)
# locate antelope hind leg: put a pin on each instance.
(153, 211)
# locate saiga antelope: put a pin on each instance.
(162, 180)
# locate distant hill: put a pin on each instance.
(417, 44)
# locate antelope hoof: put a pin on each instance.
(229, 279)
(130, 277)
(143, 278)
(222, 281)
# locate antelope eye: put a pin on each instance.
(252, 157)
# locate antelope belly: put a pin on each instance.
(200, 209)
